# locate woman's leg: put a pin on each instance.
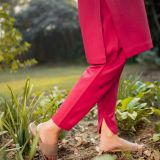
(114, 52)
(107, 126)
(97, 84)
(95, 81)
(107, 107)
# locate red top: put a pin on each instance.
(130, 21)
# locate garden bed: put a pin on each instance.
(137, 115)
(80, 143)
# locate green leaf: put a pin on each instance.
(133, 115)
(133, 102)
(125, 103)
(156, 111)
(106, 157)
(156, 137)
(1, 58)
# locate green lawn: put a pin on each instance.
(43, 77)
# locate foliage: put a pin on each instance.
(2, 132)
(154, 21)
(52, 17)
(137, 100)
(106, 157)
(148, 92)
(149, 57)
(11, 42)
(135, 106)
(127, 85)
(130, 112)
(156, 111)
(3, 147)
(19, 111)
(152, 56)
(49, 103)
(156, 137)
(52, 28)
(157, 126)
(18, 115)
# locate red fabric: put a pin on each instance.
(98, 84)
(130, 21)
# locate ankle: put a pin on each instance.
(105, 130)
(52, 127)
(105, 137)
(107, 133)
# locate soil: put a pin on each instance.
(80, 144)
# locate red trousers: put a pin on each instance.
(98, 84)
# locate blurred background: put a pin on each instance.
(43, 38)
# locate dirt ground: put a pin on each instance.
(80, 144)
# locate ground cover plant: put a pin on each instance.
(137, 108)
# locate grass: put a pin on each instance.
(42, 77)
(45, 76)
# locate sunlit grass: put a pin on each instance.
(44, 77)
(41, 77)
(40, 83)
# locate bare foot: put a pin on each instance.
(114, 142)
(110, 141)
(48, 132)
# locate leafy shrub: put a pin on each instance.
(148, 92)
(137, 100)
(19, 111)
(53, 30)
(11, 43)
(18, 114)
(156, 137)
(156, 111)
(49, 103)
(130, 111)
(126, 86)
(149, 57)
